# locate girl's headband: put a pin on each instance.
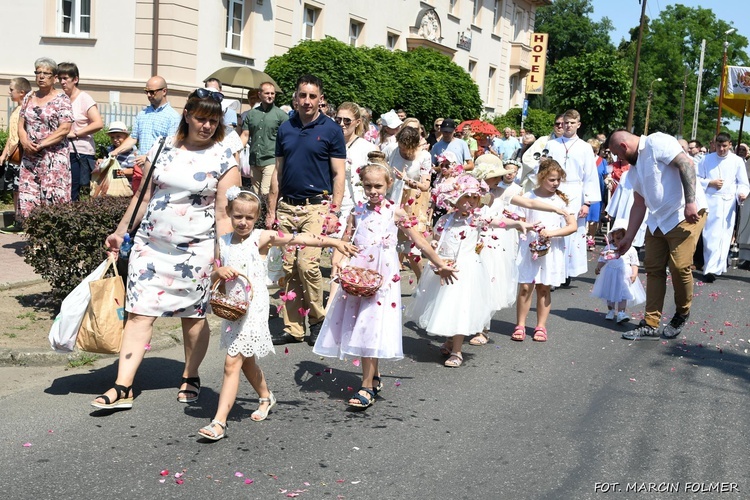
(234, 191)
(377, 164)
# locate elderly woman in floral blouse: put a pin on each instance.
(45, 122)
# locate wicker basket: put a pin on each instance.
(228, 307)
(359, 281)
(540, 247)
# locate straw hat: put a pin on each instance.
(488, 166)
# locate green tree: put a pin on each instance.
(423, 82)
(571, 30)
(538, 121)
(671, 51)
(597, 85)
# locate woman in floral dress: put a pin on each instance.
(44, 123)
(172, 256)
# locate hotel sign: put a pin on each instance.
(535, 78)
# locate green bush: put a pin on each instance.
(101, 141)
(538, 122)
(66, 241)
(3, 138)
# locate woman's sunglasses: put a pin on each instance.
(347, 121)
(202, 93)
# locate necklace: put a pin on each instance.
(567, 149)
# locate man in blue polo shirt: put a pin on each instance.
(307, 187)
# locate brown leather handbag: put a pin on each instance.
(16, 155)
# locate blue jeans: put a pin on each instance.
(81, 167)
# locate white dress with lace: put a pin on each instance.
(249, 335)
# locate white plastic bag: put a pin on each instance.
(62, 335)
(246, 169)
(275, 264)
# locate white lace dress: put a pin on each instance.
(249, 335)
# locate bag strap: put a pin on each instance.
(132, 230)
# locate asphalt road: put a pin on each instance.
(566, 419)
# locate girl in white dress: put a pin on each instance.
(501, 246)
(537, 270)
(370, 327)
(244, 251)
(464, 308)
(617, 281)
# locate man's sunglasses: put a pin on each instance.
(202, 93)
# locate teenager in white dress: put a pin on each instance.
(370, 327)
(617, 282)
(536, 271)
(243, 252)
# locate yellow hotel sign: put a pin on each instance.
(535, 78)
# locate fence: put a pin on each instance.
(109, 112)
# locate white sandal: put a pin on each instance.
(455, 360)
(271, 400)
(214, 436)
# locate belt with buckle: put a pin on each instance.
(314, 200)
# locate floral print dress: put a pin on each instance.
(45, 176)
(173, 252)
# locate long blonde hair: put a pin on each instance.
(356, 111)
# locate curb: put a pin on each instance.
(37, 358)
(21, 284)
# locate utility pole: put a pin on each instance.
(694, 130)
(633, 90)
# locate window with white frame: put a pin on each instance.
(74, 17)
(519, 23)
(497, 13)
(472, 69)
(308, 23)
(476, 11)
(355, 30)
(235, 16)
(491, 87)
(512, 88)
(453, 7)
(391, 41)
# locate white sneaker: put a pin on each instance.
(622, 317)
(610, 315)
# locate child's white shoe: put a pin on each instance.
(610, 315)
(622, 317)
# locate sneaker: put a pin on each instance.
(643, 330)
(610, 315)
(674, 328)
(622, 317)
(14, 228)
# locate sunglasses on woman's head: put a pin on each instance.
(347, 121)
(202, 93)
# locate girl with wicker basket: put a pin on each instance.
(243, 255)
(365, 315)
(541, 260)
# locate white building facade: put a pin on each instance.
(118, 45)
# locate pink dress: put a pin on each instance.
(45, 176)
(368, 326)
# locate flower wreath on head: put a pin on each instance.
(517, 163)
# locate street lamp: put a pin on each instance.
(723, 68)
(648, 106)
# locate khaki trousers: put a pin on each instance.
(302, 267)
(262, 179)
(674, 249)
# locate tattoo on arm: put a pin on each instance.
(687, 176)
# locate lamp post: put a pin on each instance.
(723, 68)
(648, 106)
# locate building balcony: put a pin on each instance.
(520, 58)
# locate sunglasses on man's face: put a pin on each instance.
(202, 93)
(346, 121)
(558, 124)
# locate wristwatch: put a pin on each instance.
(337, 213)
(588, 204)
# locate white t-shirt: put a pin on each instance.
(413, 170)
(659, 183)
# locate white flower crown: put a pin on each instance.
(234, 191)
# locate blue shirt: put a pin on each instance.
(307, 152)
(457, 146)
(506, 147)
(152, 123)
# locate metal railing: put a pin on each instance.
(109, 112)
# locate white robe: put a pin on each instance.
(619, 208)
(581, 185)
(717, 234)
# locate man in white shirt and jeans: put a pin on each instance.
(663, 178)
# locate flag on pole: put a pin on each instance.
(738, 83)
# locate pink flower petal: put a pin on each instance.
(27, 445)
(179, 481)
(355, 363)
(303, 311)
(249, 481)
(165, 472)
(286, 350)
(238, 474)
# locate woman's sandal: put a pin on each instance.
(363, 401)
(455, 360)
(189, 395)
(480, 339)
(121, 402)
(446, 348)
(519, 333)
(378, 384)
(214, 436)
(271, 400)
(540, 334)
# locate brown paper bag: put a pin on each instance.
(103, 322)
